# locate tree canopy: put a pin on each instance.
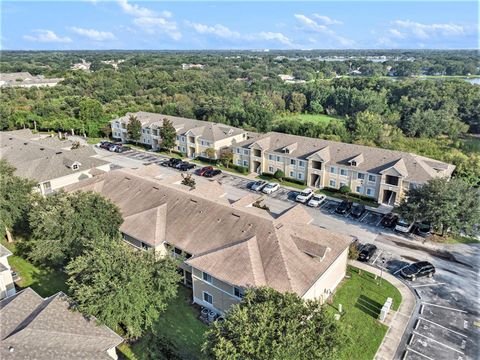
(450, 206)
(64, 225)
(122, 287)
(134, 128)
(168, 135)
(269, 325)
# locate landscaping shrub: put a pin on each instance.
(279, 174)
(293, 180)
(241, 169)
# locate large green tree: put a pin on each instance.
(450, 206)
(122, 287)
(134, 128)
(271, 325)
(16, 195)
(64, 225)
(168, 135)
(92, 116)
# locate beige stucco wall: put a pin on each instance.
(221, 300)
(7, 286)
(329, 280)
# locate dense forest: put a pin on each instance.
(410, 101)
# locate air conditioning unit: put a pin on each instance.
(211, 316)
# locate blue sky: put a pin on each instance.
(182, 25)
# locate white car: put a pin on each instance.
(316, 200)
(270, 188)
(258, 185)
(305, 195)
(404, 226)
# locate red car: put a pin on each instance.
(203, 170)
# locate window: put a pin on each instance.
(333, 169)
(75, 166)
(207, 277)
(270, 169)
(178, 137)
(183, 138)
(333, 183)
(300, 176)
(279, 159)
(238, 150)
(47, 186)
(207, 297)
(372, 178)
(271, 157)
(143, 131)
(301, 163)
(202, 142)
(370, 192)
(359, 189)
(145, 246)
(292, 174)
(239, 162)
(353, 163)
(343, 184)
(245, 162)
(245, 152)
(292, 162)
(343, 172)
(360, 176)
(237, 292)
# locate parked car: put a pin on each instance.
(258, 185)
(403, 226)
(390, 220)
(203, 170)
(172, 162)
(423, 229)
(366, 252)
(305, 196)
(344, 207)
(316, 200)
(212, 173)
(358, 210)
(184, 166)
(105, 145)
(113, 147)
(418, 269)
(122, 149)
(270, 188)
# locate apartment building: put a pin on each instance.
(7, 286)
(383, 175)
(27, 80)
(194, 137)
(226, 247)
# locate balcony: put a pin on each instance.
(391, 180)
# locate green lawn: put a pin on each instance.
(362, 298)
(283, 182)
(45, 282)
(338, 195)
(309, 118)
(180, 324)
(454, 239)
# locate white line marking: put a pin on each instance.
(395, 273)
(443, 327)
(438, 342)
(435, 284)
(445, 307)
(364, 216)
(416, 352)
(380, 253)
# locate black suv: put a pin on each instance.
(390, 220)
(418, 269)
(358, 211)
(184, 166)
(344, 207)
(172, 162)
(366, 252)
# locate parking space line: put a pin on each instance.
(395, 273)
(364, 216)
(438, 342)
(419, 353)
(381, 251)
(423, 285)
(443, 327)
(445, 307)
(379, 221)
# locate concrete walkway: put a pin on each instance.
(401, 317)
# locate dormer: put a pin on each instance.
(74, 165)
(322, 155)
(357, 160)
(310, 248)
(290, 148)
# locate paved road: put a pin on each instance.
(446, 321)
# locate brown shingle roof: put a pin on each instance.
(236, 243)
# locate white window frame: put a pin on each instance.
(240, 295)
(293, 162)
(301, 163)
(245, 163)
(245, 151)
(300, 176)
(359, 176)
(333, 170)
(372, 192)
(374, 178)
(292, 174)
(343, 170)
(271, 157)
(332, 183)
(359, 189)
(203, 297)
(279, 158)
(270, 169)
(207, 277)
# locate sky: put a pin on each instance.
(186, 25)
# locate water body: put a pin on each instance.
(474, 81)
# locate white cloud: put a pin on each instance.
(93, 34)
(311, 25)
(327, 20)
(224, 32)
(155, 25)
(397, 34)
(151, 21)
(42, 35)
(425, 31)
(134, 9)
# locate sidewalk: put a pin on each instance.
(401, 317)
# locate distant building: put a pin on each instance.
(7, 286)
(284, 77)
(192, 66)
(113, 63)
(84, 65)
(48, 160)
(27, 80)
(194, 137)
(51, 329)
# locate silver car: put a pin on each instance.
(258, 185)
